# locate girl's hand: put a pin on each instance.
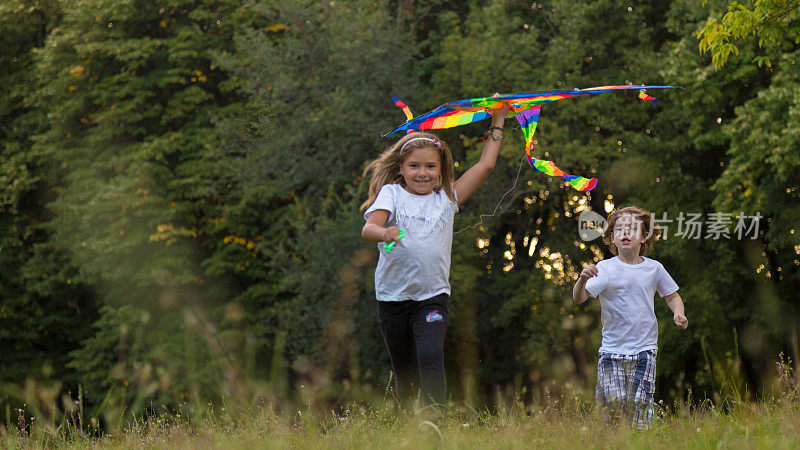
(589, 272)
(680, 320)
(468, 183)
(499, 115)
(392, 234)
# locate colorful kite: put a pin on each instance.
(405, 108)
(524, 106)
(528, 119)
(642, 95)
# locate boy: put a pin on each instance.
(626, 285)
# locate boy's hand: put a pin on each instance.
(589, 272)
(392, 234)
(680, 320)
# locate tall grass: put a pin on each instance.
(560, 423)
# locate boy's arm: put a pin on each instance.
(579, 292)
(468, 183)
(675, 304)
(374, 230)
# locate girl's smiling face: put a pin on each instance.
(421, 170)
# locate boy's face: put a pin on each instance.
(628, 234)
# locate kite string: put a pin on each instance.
(524, 161)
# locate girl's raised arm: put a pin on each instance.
(475, 175)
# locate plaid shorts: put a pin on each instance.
(626, 386)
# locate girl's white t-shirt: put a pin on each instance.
(626, 303)
(418, 267)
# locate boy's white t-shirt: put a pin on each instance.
(418, 267)
(626, 303)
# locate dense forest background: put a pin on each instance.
(180, 182)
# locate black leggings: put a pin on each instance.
(414, 335)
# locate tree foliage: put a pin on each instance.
(772, 23)
(180, 187)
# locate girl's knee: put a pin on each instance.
(430, 358)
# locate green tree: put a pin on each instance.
(185, 176)
(774, 23)
(40, 321)
(318, 78)
(134, 156)
(759, 181)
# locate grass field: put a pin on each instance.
(774, 424)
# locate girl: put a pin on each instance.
(412, 189)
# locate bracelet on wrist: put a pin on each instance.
(490, 132)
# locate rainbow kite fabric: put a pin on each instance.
(642, 95)
(528, 119)
(403, 106)
(522, 105)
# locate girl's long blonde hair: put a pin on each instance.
(386, 169)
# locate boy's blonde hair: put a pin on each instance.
(649, 228)
(386, 169)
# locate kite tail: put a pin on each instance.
(643, 95)
(528, 119)
(548, 167)
(403, 106)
